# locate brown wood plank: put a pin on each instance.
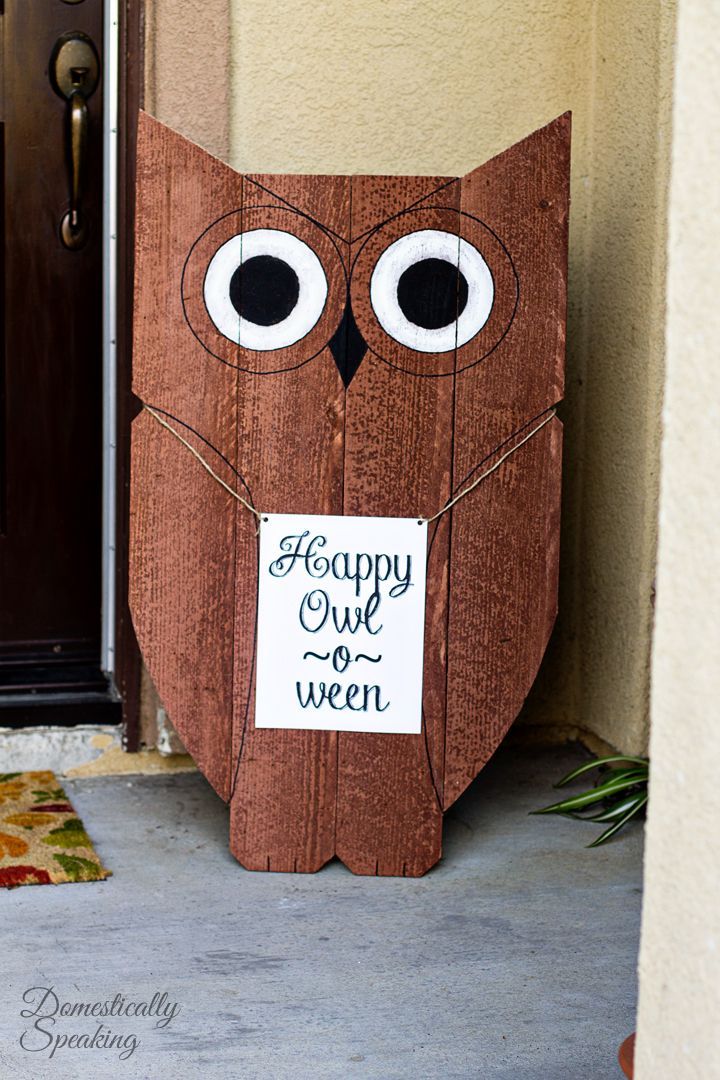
(290, 453)
(503, 601)
(182, 539)
(183, 524)
(390, 195)
(398, 459)
(503, 584)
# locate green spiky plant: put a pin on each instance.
(618, 796)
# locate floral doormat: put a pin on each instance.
(42, 840)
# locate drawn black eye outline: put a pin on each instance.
(467, 266)
(490, 337)
(285, 248)
(295, 222)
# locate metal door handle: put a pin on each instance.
(74, 74)
(78, 120)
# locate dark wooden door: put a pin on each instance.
(51, 370)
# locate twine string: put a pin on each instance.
(203, 462)
(421, 521)
(483, 476)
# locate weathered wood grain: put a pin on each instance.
(386, 196)
(398, 458)
(503, 601)
(504, 555)
(290, 428)
(183, 525)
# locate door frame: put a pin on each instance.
(124, 84)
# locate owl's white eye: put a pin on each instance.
(432, 291)
(265, 289)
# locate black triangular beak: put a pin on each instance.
(347, 346)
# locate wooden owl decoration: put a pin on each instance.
(347, 345)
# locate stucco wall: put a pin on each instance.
(678, 1023)
(621, 347)
(187, 69)
(432, 86)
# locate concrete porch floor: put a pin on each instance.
(514, 958)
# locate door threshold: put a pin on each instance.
(56, 747)
(60, 708)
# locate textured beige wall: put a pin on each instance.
(622, 345)
(187, 69)
(679, 1016)
(434, 86)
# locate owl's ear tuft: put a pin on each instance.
(549, 142)
(527, 182)
(151, 131)
(180, 191)
(523, 197)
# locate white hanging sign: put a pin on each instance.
(341, 620)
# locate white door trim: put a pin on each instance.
(109, 331)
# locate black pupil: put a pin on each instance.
(432, 293)
(264, 290)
